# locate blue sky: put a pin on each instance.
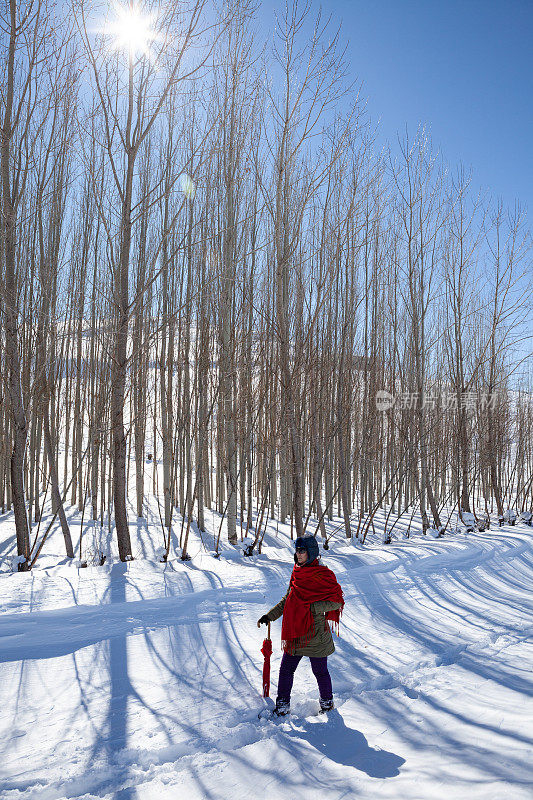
(465, 69)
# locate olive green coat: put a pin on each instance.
(321, 644)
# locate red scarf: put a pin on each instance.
(309, 583)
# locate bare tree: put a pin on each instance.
(28, 26)
(129, 114)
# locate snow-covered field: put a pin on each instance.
(144, 680)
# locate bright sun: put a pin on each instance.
(131, 29)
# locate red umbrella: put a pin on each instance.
(267, 652)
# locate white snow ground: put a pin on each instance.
(142, 681)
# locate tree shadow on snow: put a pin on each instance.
(120, 687)
(468, 640)
(347, 747)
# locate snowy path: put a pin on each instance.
(143, 681)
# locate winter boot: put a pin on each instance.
(283, 707)
(326, 705)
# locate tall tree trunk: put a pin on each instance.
(20, 424)
(119, 371)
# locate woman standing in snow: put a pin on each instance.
(313, 598)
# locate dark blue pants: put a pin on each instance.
(320, 671)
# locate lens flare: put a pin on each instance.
(187, 186)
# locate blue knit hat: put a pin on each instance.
(310, 544)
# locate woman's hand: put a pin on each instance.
(264, 620)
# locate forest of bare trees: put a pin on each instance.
(220, 292)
